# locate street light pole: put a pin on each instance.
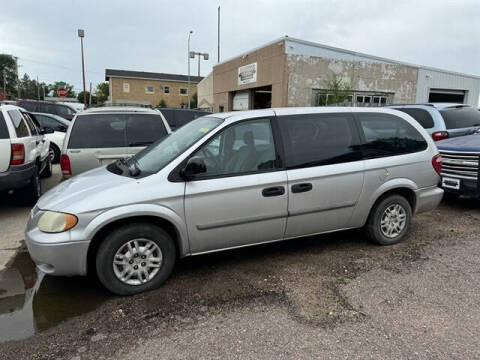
(81, 35)
(188, 57)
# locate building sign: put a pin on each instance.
(247, 74)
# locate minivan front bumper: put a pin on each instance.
(55, 254)
(428, 199)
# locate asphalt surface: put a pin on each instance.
(333, 296)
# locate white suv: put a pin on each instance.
(24, 153)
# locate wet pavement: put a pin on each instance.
(331, 296)
(31, 302)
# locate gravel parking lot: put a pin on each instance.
(332, 296)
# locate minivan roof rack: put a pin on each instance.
(148, 106)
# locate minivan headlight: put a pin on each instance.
(55, 222)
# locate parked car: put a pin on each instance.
(63, 110)
(460, 168)
(60, 126)
(23, 153)
(443, 120)
(99, 136)
(178, 117)
(237, 179)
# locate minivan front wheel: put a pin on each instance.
(135, 258)
(389, 220)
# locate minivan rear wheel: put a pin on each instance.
(135, 258)
(389, 221)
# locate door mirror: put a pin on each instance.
(62, 128)
(195, 165)
(46, 130)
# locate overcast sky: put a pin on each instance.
(152, 35)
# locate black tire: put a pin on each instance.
(117, 239)
(32, 192)
(373, 226)
(47, 170)
(54, 153)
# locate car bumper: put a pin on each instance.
(16, 177)
(55, 254)
(428, 199)
(468, 188)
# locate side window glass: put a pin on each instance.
(421, 115)
(31, 125)
(18, 123)
(243, 148)
(46, 108)
(64, 110)
(3, 127)
(387, 135)
(319, 139)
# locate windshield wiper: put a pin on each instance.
(140, 143)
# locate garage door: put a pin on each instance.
(445, 95)
(240, 100)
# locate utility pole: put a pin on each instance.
(218, 36)
(188, 57)
(81, 35)
(18, 78)
(38, 89)
(90, 95)
(4, 84)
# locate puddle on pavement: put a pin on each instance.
(31, 302)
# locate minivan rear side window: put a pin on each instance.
(463, 117)
(387, 135)
(3, 127)
(18, 123)
(27, 105)
(421, 115)
(110, 130)
(319, 139)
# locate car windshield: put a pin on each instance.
(462, 117)
(153, 158)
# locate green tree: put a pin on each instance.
(58, 84)
(162, 103)
(8, 68)
(102, 92)
(194, 101)
(80, 97)
(30, 88)
(336, 92)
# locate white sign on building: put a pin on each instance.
(247, 74)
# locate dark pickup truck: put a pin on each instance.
(460, 165)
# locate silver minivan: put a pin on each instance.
(99, 136)
(237, 179)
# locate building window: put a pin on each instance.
(166, 90)
(355, 98)
(149, 89)
(126, 87)
(183, 91)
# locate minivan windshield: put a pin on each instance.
(461, 117)
(153, 158)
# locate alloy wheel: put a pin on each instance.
(394, 220)
(137, 261)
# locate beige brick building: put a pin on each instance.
(138, 87)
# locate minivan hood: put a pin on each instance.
(87, 185)
(470, 143)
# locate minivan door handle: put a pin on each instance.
(304, 187)
(273, 191)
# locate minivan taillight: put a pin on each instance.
(65, 165)
(440, 135)
(18, 154)
(437, 163)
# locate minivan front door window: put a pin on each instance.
(243, 148)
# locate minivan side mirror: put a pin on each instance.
(195, 165)
(62, 128)
(46, 130)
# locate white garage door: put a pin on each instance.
(240, 100)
